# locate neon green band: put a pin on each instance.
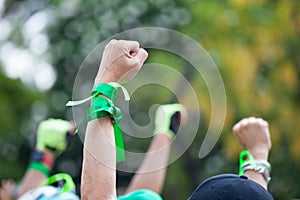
(101, 107)
(39, 167)
(107, 90)
(68, 185)
(245, 156)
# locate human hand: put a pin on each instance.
(121, 60)
(7, 186)
(168, 118)
(53, 135)
(253, 134)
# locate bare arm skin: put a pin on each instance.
(151, 174)
(98, 173)
(32, 179)
(253, 134)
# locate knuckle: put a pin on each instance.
(136, 43)
(111, 43)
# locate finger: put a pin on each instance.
(241, 124)
(263, 122)
(138, 60)
(111, 43)
(132, 47)
(244, 122)
(141, 55)
(251, 120)
(236, 128)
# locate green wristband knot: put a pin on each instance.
(104, 106)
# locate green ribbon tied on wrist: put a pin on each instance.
(101, 107)
(245, 156)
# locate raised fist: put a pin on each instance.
(253, 134)
(121, 60)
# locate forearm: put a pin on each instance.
(152, 172)
(98, 173)
(32, 179)
(37, 172)
(257, 177)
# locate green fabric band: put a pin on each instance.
(39, 166)
(245, 156)
(101, 107)
(68, 181)
(107, 90)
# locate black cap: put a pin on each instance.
(230, 187)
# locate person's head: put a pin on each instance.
(230, 186)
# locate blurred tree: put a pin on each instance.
(19, 109)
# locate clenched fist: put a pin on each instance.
(121, 60)
(253, 134)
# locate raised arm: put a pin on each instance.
(52, 140)
(253, 135)
(152, 172)
(121, 60)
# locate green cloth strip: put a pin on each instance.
(245, 156)
(39, 166)
(102, 107)
(68, 185)
(107, 90)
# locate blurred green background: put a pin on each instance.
(255, 44)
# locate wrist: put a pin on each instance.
(261, 154)
(106, 77)
(251, 165)
(41, 161)
(45, 157)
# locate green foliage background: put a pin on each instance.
(254, 43)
